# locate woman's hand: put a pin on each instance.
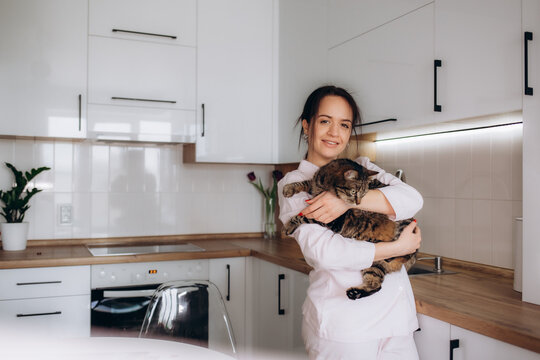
(408, 242)
(325, 207)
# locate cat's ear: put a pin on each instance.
(351, 175)
(372, 173)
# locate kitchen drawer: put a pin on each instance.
(54, 316)
(44, 282)
(148, 74)
(172, 18)
(130, 123)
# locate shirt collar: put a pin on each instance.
(308, 168)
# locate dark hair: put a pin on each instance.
(311, 107)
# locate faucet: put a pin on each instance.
(437, 262)
(400, 174)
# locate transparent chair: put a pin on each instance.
(191, 312)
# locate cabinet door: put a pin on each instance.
(165, 21)
(475, 346)
(351, 18)
(432, 339)
(229, 275)
(43, 68)
(479, 43)
(135, 73)
(234, 81)
(50, 316)
(389, 70)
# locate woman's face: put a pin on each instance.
(329, 131)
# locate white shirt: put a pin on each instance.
(337, 262)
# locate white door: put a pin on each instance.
(43, 47)
(234, 81)
(479, 44)
(432, 338)
(389, 70)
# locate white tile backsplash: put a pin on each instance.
(132, 190)
(471, 184)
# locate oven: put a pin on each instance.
(121, 293)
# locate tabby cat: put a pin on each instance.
(350, 181)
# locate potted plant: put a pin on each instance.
(15, 203)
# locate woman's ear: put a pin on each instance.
(305, 126)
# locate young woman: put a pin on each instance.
(379, 326)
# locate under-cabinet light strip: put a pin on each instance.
(450, 131)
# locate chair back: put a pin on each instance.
(190, 311)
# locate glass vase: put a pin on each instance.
(269, 218)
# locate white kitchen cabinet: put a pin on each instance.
(531, 161)
(433, 342)
(277, 312)
(388, 71)
(350, 18)
(235, 67)
(164, 21)
(229, 275)
(52, 301)
(43, 57)
(479, 43)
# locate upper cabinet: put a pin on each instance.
(351, 18)
(235, 74)
(43, 52)
(443, 61)
(386, 70)
(163, 21)
(141, 71)
(479, 44)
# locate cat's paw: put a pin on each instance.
(288, 190)
(293, 224)
(357, 293)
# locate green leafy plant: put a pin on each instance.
(16, 200)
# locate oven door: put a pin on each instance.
(120, 311)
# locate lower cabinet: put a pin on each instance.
(52, 301)
(440, 340)
(276, 313)
(229, 275)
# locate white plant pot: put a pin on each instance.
(14, 236)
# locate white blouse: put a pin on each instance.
(337, 262)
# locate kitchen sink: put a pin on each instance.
(419, 269)
(117, 250)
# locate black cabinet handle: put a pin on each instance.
(80, 100)
(436, 64)
(138, 99)
(454, 344)
(528, 37)
(40, 314)
(280, 310)
(39, 282)
(143, 33)
(228, 282)
(203, 115)
(377, 122)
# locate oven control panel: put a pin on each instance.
(126, 274)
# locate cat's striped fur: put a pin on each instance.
(350, 182)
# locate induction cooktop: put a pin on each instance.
(117, 250)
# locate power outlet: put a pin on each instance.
(66, 211)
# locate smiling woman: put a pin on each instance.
(381, 325)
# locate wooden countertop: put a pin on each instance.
(477, 298)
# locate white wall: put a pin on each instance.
(132, 190)
(472, 188)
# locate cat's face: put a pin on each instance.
(352, 186)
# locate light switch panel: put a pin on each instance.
(65, 214)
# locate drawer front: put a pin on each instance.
(54, 316)
(136, 73)
(164, 21)
(132, 123)
(44, 282)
